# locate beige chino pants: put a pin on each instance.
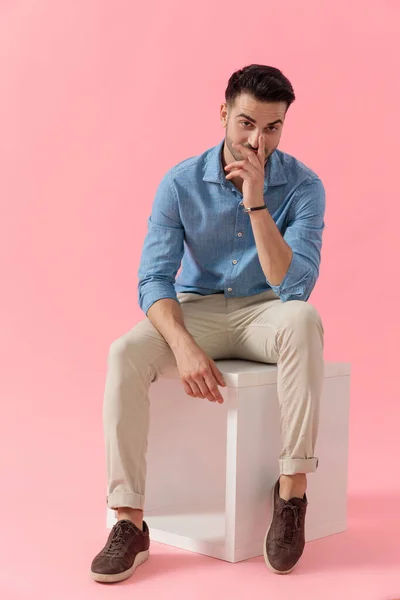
(259, 328)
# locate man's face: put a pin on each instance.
(247, 119)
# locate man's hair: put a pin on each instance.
(265, 84)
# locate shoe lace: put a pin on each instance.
(116, 545)
(290, 522)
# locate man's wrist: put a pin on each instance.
(182, 341)
(252, 201)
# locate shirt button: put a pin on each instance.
(240, 234)
(241, 204)
(229, 289)
(234, 262)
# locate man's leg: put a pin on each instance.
(135, 361)
(289, 334)
(292, 486)
(132, 365)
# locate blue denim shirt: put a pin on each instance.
(197, 222)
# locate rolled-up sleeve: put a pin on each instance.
(162, 248)
(304, 236)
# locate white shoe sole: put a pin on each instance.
(140, 558)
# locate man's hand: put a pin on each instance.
(199, 373)
(251, 170)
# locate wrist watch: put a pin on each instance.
(250, 209)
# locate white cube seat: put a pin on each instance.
(211, 467)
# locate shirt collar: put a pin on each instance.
(213, 171)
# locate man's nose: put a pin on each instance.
(253, 142)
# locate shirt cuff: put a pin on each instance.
(157, 292)
(297, 283)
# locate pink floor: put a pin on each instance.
(53, 523)
(50, 557)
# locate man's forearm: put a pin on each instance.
(274, 253)
(167, 317)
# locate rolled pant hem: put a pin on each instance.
(128, 499)
(292, 466)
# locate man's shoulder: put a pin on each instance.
(192, 167)
(295, 170)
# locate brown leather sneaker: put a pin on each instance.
(285, 540)
(126, 548)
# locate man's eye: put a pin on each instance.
(272, 128)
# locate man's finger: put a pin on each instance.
(212, 385)
(236, 163)
(251, 156)
(261, 149)
(243, 173)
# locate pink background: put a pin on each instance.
(97, 100)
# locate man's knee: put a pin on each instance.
(127, 345)
(302, 316)
(138, 346)
(119, 348)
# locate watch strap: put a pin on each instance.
(250, 209)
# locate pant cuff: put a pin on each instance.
(292, 466)
(129, 499)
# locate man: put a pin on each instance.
(246, 220)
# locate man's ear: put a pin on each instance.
(224, 115)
